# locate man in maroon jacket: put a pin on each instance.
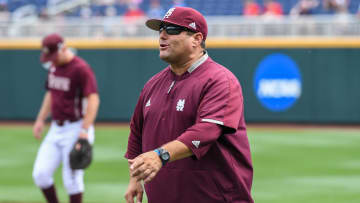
(188, 139)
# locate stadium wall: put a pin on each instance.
(329, 69)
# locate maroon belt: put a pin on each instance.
(62, 122)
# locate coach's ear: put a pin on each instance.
(198, 38)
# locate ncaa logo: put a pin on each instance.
(277, 82)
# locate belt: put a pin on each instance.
(62, 122)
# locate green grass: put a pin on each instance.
(105, 180)
(290, 166)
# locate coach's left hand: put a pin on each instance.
(145, 166)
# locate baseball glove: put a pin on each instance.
(81, 154)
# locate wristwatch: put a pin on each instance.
(163, 155)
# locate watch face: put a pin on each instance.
(165, 156)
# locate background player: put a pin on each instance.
(192, 112)
(71, 88)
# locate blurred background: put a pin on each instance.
(226, 18)
(297, 61)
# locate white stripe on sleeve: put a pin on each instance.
(212, 121)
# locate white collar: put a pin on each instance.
(198, 62)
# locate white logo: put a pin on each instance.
(170, 11)
(193, 25)
(148, 103)
(279, 88)
(196, 143)
(180, 105)
(58, 83)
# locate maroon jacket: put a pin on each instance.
(203, 108)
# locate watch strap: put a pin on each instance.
(161, 152)
(157, 151)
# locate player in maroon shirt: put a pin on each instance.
(188, 140)
(72, 100)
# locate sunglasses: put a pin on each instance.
(173, 29)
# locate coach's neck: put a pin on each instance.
(182, 66)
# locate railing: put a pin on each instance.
(229, 27)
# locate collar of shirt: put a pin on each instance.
(194, 66)
(197, 63)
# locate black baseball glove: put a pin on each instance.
(81, 154)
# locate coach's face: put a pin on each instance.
(176, 44)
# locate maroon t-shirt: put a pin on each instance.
(203, 108)
(68, 85)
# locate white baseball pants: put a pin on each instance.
(55, 149)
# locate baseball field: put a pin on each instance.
(292, 164)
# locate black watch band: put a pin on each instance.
(163, 155)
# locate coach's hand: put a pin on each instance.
(38, 129)
(145, 166)
(134, 189)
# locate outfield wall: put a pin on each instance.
(329, 68)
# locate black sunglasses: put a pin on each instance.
(174, 29)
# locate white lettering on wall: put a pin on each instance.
(277, 88)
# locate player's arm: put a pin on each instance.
(93, 103)
(42, 115)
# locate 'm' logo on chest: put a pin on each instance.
(59, 83)
(180, 105)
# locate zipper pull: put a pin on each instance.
(172, 84)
